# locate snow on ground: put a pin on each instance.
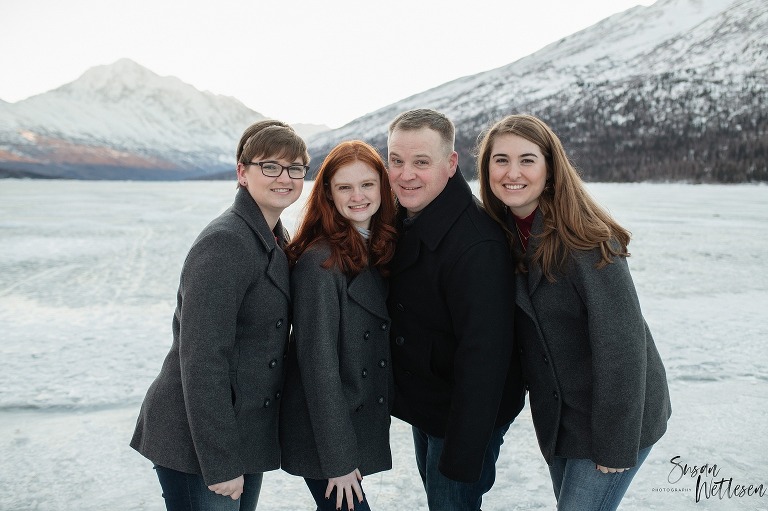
(88, 275)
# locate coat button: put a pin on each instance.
(380, 400)
(279, 323)
(521, 350)
(383, 326)
(546, 360)
(364, 373)
(267, 402)
(277, 396)
(273, 363)
(554, 394)
(382, 363)
(400, 307)
(367, 335)
(399, 341)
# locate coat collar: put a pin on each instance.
(277, 270)
(433, 223)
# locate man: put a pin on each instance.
(452, 305)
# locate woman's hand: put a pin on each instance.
(232, 488)
(606, 470)
(345, 485)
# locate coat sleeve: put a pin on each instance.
(617, 339)
(213, 283)
(316, 295)
(481, 302)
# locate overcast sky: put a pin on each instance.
(314, 61)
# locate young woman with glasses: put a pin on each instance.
(209, 422)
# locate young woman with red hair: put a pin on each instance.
(334, 425)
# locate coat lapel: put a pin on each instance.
(277, 269)
(529, 281)
(367, 289)
(407, 252)
(534, 272)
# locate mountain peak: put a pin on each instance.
(119, 80)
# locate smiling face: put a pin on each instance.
(420, 166)
(517, 173)
(356, 193)
(271, 194)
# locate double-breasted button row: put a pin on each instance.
(268, 401)
(382, 363)
(381, 400)
(279, 323)
(273, 363)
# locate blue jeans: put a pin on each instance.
(445, 494)
(579, 486)
(188, 492)
(317, 488)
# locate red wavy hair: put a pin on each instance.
(350, 252)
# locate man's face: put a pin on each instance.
(420, 166)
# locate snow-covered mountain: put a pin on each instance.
(677, 90)
(124, 121)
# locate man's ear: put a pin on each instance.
(454, 161)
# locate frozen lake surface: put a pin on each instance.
(88, 277)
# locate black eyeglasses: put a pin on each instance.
(274, 169)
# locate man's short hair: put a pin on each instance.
(426, 118)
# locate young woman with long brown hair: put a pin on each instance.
(597, 386)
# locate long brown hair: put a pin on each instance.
(572, 219)
(349, 251)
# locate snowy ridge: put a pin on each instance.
(676, 90)
(627, 71)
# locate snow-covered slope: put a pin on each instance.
(691, 70)
(124, 116)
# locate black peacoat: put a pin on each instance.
(338, 391)
(451, 301)
(597, 385)
(213, 408)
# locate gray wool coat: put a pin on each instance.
(596, 383)
(213, 409)
(338, 391)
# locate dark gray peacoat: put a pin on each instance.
(451, 300)
(338, 391)
(213, 409)
(596, 383)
